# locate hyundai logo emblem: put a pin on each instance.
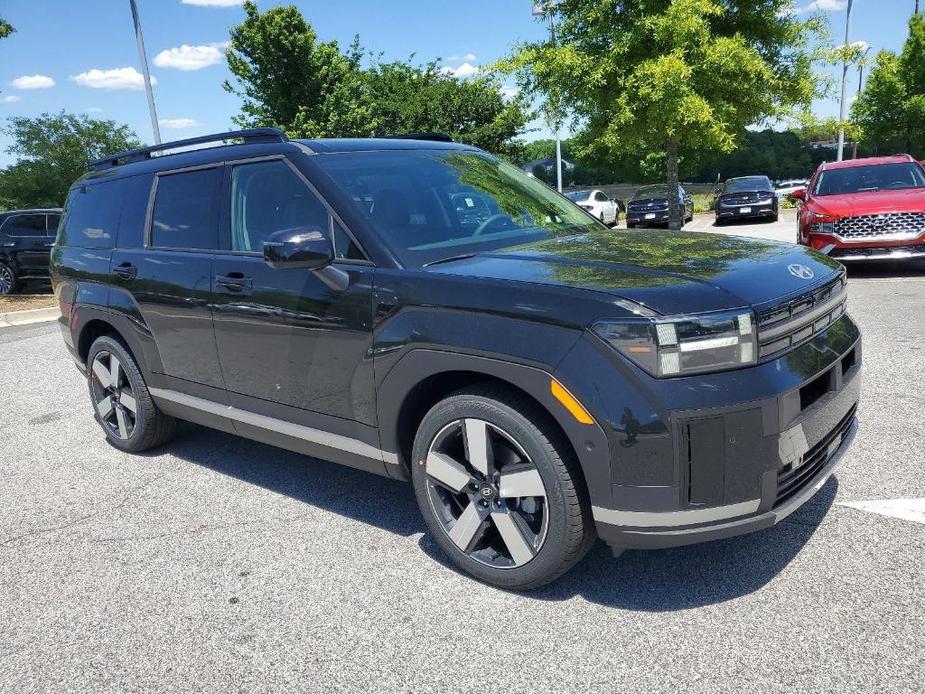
(801, 271)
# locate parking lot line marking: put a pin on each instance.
(904, 509)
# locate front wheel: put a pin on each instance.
(121, 402)
(7, 280)
(500, 490)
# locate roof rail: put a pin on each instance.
(250, 136)
(432, 137)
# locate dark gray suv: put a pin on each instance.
(422, 310)
(26, 238)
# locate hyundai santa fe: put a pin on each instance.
(424, 311)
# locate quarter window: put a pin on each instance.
(91, 215)
(185, 213)
(52, 228)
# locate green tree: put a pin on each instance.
(402, 98)
(891, 109)
(5, 28)
(289, 79)
(53, 151)
(668, 78)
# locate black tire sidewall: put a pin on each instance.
(545, 565)
(14, 284)
(145, 413)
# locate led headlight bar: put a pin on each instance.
(683, 345)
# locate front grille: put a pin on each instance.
(790, 479)
(890, 224)
(785, 326)
(653, 206)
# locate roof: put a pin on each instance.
(867, 161)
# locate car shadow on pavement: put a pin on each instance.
(684, 577)
(644, 580)
(368, 498)
(886, 269)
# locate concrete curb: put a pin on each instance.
(37, 315)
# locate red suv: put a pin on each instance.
(865, 209)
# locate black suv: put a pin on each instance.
(424, 311)
(649, 206)
(26, 237)
(746, 197)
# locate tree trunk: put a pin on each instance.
(675, 215)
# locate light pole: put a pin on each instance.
(854, 146)
(539, 9)
(844, 86)
(144, 71)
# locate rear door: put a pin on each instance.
(162, 277)
(292, 344)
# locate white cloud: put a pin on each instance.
(11, 99)
(508, 92)
(466, 57)
(178, 123)
(822, 6)
(189, 57)
(117, 78)
(94, 109)
(464, 70)
(212, 3)
(33, 82)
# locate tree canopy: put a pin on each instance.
(664, 80)
(54, 150)
(891, 109)
(288, 78)
(5, 28)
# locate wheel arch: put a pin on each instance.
(95, 323)
(423, 377)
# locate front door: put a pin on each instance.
(292, 345)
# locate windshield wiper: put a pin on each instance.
(461, 256)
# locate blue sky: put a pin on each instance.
(88, 51)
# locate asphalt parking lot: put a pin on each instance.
(218, 564)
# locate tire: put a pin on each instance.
(630, 226)
(113, 395)
(483, 524)
(8, 280)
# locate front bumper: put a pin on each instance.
(754, 211)
(658, 217)
(703, 458)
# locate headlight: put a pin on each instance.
(683, 345)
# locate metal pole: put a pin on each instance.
(144, 71)
(844, 87)
(552, 27)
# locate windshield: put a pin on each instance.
(651, 192)
(749, 183)
(869, 179)
(430, 205)
(577, 195)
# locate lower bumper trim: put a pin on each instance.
(649, 519)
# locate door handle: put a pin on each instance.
(125, 271)
(235, 282)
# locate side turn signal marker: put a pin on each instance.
(569, 402)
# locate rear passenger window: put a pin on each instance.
(25, 225)
(185, 211)
(91, 216)
(267, 197)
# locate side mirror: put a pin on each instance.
(799, 194)
(310, 249)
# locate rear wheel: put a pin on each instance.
(8, 281)
(500, 492)
(121, 402)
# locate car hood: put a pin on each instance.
(870, 203)
(670, 272)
